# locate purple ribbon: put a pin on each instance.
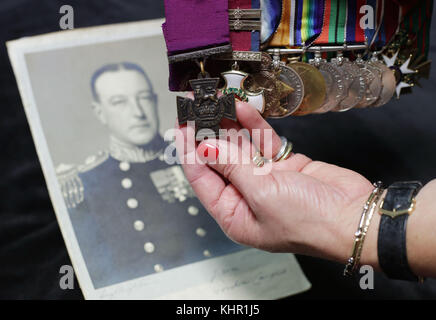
(195, 24)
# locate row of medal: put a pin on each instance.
(280, 89)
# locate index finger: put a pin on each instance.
(207, 184)
(263, 135)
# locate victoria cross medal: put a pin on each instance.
(207, 110)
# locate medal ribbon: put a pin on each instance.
(300, 23)
(406, 5)
(342, 23)
(386, 22)
(354, 33)
(271, 15)
(309, 19)
(244, 40)
(192, 25)
(417, 22)
(193, 29)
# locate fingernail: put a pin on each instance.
(207, 152)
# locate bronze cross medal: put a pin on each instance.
(207, 110)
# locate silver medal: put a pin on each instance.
(372, 75)
(335, 84)
(389, 84)
(354, 83)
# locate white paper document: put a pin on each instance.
(98, 105)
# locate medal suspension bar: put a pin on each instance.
(353, 47)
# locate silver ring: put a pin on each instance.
(282, 149)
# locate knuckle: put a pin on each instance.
(230, 171)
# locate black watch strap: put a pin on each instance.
(398, 203)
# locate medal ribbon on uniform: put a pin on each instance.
(301, 22)
(245, 40)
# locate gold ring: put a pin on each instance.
(287, 152)
(258, 160)
(284, 152)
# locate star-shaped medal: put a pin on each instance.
(400, 71)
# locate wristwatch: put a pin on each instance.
(395, 209)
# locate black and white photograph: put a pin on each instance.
(99, 111)
(217, 158)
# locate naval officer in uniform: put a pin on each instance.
(132, 213)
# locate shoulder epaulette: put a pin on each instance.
(71, 184)
(93, 161)
(70, 181)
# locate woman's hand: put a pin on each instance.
(300, 206)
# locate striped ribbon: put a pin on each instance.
(271, 15)
(387, 21)
(245, 40)
(417, 22)
(301, 22)
(355, 33)
(342, 23)
(335, 22)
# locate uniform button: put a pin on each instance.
(126, 183)
(206, 253)
(132, 203)
(193, 210)
(149, 247)
(200, 232)
(124, 166)
(158, 268)
(138, 225)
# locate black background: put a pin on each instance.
(395, 142)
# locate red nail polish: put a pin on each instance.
(207, 152)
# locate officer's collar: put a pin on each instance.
(128, 153)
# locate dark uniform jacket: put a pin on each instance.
(132, 219)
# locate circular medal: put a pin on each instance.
(373, 82)
(314, 87)
(291, 102)
(274, 90)
(335, 86)
(354, 83)
(389, 83)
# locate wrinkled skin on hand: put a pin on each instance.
(300, 206)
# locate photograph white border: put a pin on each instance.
(263, 276)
